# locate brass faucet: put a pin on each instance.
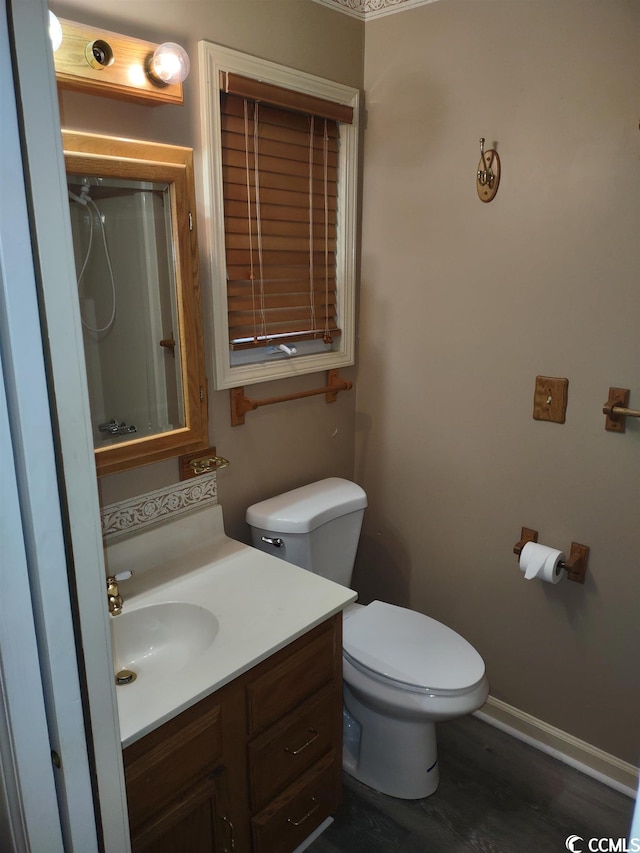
(113, 593)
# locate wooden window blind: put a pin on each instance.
(280, 178)
(279, 96)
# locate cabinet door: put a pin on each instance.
(196, 823)
(172, 759)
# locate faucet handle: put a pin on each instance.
(123, 576)
(114, 580)
(113, 593)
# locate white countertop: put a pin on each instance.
(261, 604)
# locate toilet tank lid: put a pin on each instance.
(302, 510)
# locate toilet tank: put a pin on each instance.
(316, 527)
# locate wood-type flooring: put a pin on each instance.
(496, 795)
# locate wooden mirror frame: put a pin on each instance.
(131, 159)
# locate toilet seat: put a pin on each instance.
(411, 651)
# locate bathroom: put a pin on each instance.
(460, 306)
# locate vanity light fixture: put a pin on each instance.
(55, 31)
(170, 63)
(105, 63)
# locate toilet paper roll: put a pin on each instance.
(542, 562)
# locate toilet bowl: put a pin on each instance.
(402, 670)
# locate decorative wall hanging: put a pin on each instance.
(488, 174)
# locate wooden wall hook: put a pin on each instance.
(617, 411)
(488, 173)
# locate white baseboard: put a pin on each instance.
(577, 753)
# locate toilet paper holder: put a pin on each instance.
(575, 566)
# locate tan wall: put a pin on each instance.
(464, 303)
(292, 443)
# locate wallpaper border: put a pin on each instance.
(119, 519)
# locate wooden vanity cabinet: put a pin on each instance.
(256, 766)
(182, 789)
(294, 729)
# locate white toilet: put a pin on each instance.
(403, 671)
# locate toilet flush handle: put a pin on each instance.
(275, 541)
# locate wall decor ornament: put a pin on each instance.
(488, 174)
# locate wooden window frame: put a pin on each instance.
(215, 60)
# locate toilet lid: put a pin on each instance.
(411, 648)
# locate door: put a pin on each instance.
(55, 471)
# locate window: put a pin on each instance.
(280, 156)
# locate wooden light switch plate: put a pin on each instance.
(550, 399)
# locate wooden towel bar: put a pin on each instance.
(240, 404)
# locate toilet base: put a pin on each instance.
(396, 757)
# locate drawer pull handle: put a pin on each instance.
(232, 836)
(314, 736)
(314, 808)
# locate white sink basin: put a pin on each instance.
(161, 639)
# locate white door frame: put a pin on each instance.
(53, 448)
(29, 817)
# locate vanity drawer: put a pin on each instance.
(294, 674)
(291, 817)
(293, 744)
(172, 758)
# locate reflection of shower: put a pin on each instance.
(85, 199)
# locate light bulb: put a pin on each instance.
(170, 63)
(55, 31)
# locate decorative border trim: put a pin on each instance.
(120, 519)
(365, 10)
(588, 759)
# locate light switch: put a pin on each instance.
(550, 399)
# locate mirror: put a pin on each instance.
(132, 209)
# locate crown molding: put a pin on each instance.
(366, 10)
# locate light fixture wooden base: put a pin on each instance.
(124, 77)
